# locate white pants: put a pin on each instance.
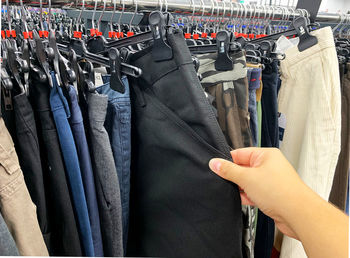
(311, 102)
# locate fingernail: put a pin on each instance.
(215, 165)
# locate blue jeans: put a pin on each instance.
(77, 126)
(118, 126)
(254, 84)
(61, 113)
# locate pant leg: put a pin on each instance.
(310, 100)
(106, 179)
(175, 134)
(64, 231)
(77, 126)
(340, 182)
(118, 126)
(28, 152)
(269, 138)
(61, 112)
(15, 201)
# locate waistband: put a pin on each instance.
(153, 71)
(112, 94)
(212, 77)
(325, 40)
(57, 99)
(254, 77)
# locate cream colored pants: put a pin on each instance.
(16, 206)
(310, 100)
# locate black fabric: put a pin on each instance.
(265, 229)
(64, 232)
(179, 208)
(28, 152)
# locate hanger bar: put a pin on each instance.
(125, 68)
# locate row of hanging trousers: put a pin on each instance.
(70, 167)
(114, 174)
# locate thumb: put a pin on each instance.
(227, 170)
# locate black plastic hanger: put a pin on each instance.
(223, 61)
(306, 40)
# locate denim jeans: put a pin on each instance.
(118, 126)
(77, 126)
(61, 113)
(254, 83)
(7, 244)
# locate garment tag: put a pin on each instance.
(98, 79)
(283, 44)
(282, 122)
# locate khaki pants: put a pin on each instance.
(16, 206)
(310, 100)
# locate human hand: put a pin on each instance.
(267, 180)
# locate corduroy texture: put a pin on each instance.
(310, 100)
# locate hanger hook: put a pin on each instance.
(80, 14)
(166, 5)
(133, 16)
(41, 15)
(112, 16)
(103, 12)
(121, 14)
(93, 15)
(203, 11)
(49, 15)
(160, 5)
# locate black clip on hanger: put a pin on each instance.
(306, 39)
(42, 55)
(223, 62)
(16, 65)
(161, 51)
(84, 73)
(115, 66)
(6, 79)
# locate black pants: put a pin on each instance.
(64, 233)
(265, 229)
(179, 208)
(28, 152)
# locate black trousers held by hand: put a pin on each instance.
(179, 208)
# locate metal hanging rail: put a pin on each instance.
(221, 9)
(213, 8)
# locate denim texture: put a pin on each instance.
(118, 126)
(254, 84)
(64, 231)
(77, 126)
(61, 113)
(7, 244)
